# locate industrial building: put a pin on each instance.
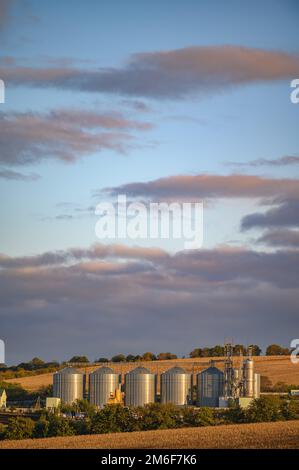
(214, 388)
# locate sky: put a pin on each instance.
(160, 101)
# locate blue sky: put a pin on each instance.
(239, 122)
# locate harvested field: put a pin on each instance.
(283, 435)
(276, 368)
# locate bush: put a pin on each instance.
(59, 426)
(19, 428)
(157, 416)
(198, 417)
(113, 418)
(264, 409)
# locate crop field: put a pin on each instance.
(276, 368)
(283, 435)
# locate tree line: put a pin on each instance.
(39, 366)
(116, 418)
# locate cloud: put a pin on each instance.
(131, 299)
(287, 160)
(64, 135)
(285, 215)
(15, 175)
(172, 74)
(182, 187)
(285, 238)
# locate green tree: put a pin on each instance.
(148, 356)
(82, 359)
(41, 427)
(256, 350)
(19, 428)
(59, 426)
(166, 356)
(113, 418)
(197, 417)
(276, 350)
(264, 409)
(118, 358)
(130, 358)
(159, 416)
(197, 352)
(103, 359)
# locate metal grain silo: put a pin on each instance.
(69, 385)
(209, 387)
(176, 387)
(102, 384)
(140, 387)
(249, 378)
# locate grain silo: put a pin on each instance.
(69, 385)
(103, 383)
(140, 387)
(176, 387)
(209, 387)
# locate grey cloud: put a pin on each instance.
(64, 135)
(285, 215)
(15, 175)
(287, 160)
(107, 299)
(210, 186)
(285, 238)
(171, 74)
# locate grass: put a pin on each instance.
(283, 435)
(276, 368)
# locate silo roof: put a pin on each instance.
(212, 370)
(176, 370)
(140, 370)
(103, 370)
(70, 370)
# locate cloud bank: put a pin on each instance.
(172, 74)
(64, 135)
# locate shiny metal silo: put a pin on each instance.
(176, 387)
(69, 385)
(248, 378)
(210, 386)
(257, 385)
(102, 384)
(140, 387)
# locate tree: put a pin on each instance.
(276, 350)
(59, 426)
(197, 352)
(264, 409)
(130, 358)
(148, 356)
(113, 418)
(19, 428)
(118, 358)
(103, 359)
(256, 350)
(157, 416)
(217, 351)
(37, 362)
(166, 356)
(82, 359)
